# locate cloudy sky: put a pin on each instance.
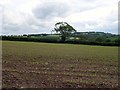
(39, 16)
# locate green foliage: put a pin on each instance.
(64, 29)
(108, 40)
(88, 38)
(82, 37)
(99, 39)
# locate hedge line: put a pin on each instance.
(53, 40)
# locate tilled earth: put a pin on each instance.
(22, 74)
(35, 70)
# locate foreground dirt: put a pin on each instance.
(22, 74)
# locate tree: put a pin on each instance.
(99, 39)
(117, 40)
(108, 40)
(83, 37)
(64, 29)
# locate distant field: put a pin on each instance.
(46, 65)
(53, 37)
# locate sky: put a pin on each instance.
(19, 17)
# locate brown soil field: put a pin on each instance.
(43, 65)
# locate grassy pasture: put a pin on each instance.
(46, 65)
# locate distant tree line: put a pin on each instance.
(65, 33)
(28, 38)
(73, 39)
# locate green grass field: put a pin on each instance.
(44, 65)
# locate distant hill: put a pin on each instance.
(94, 33)
(90, 38)
(80, 33)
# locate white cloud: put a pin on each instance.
(37, 16)
(50, 10)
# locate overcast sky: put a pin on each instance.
(40, 16)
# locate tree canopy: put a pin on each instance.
(64, 29)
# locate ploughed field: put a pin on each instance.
(48, 65)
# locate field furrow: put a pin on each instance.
(43, 65)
